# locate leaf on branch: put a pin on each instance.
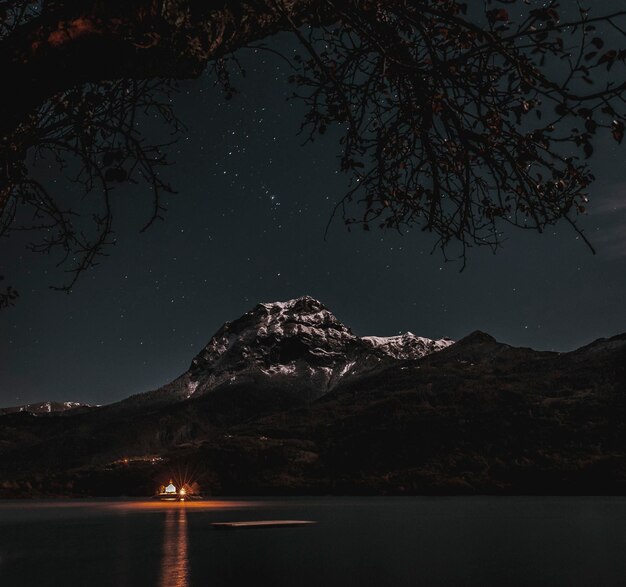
(498, 15)
(617, 129)
(597, 42)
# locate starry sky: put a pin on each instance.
(247, 225)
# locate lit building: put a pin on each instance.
(172, 493)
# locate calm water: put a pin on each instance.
(414, 541)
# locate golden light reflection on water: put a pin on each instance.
(129, 505)
(174, 561)
(205, 504)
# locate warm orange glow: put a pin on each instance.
(185, 479)
(204, 504)
(73, 29)
(175, 561)
(135, 505)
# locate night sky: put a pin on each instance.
(247, 225)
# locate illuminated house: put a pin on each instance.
(171, 493)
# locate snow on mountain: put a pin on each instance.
(44, 407)
(298, 344)
(406, 346)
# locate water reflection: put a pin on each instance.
(175, 561)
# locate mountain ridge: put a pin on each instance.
(298, 343)
(409, 417)
(47, 407)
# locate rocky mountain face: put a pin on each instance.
(373, 416)
(297, 345)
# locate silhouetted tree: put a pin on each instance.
(457, 117)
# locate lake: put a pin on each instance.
(421, 542)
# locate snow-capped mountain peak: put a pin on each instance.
(45, 407)
(268, 323)
(297, 344)
(406, 346)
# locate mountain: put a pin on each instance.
(297, 345)
(45, 408)
(286, 400)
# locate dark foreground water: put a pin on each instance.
(375, 541)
